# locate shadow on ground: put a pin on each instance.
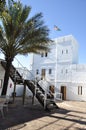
(18, 115)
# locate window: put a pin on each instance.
(62, 71)
(50, 71)
(42, 54)
(79, 90)
(45, 54)
(62, 51)
(37, 71)
(66, 51)
(66, 71)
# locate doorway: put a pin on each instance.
(52, 88)
(63, 91)
(43, 73)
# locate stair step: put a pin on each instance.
(42, 95)
(39, 92)
(37, 89)
(50, 100)
(52, 105)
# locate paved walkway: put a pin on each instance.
(70, 116)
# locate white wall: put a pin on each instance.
(1, 77)
(66, 44)
(19, 89)
(78, 73)
(69, 72)
(10, 87)
(67, 49)
(72, 90)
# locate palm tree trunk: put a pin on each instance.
(6, 76)
(24, 93)
(14, 92)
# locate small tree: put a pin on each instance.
(20, 35)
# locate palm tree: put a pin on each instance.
(2, 6)
(20, 35)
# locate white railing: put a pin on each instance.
(26, 74)
(45, 86)
(57, 95)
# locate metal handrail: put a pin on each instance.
(46, 92)
(35, 84)
(54, 94)
(45, 96)
(25, 68)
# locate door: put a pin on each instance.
(43, 73)
(52, 89)
(63, 91)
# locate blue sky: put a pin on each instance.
(68, 15)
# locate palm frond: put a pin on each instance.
(23, 34)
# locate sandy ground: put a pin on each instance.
(70, 116)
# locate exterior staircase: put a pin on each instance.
(44, 98)
(14, 74)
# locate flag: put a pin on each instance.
(56, 28)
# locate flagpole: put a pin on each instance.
(57, 29)
(56, 67)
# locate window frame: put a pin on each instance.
(42, 54)
(37, 71)
(46, 54)
(62, 51)
(79, 90)
(66, 51)
(50, 71)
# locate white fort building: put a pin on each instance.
(59, 68)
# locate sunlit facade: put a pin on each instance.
(61, 69)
